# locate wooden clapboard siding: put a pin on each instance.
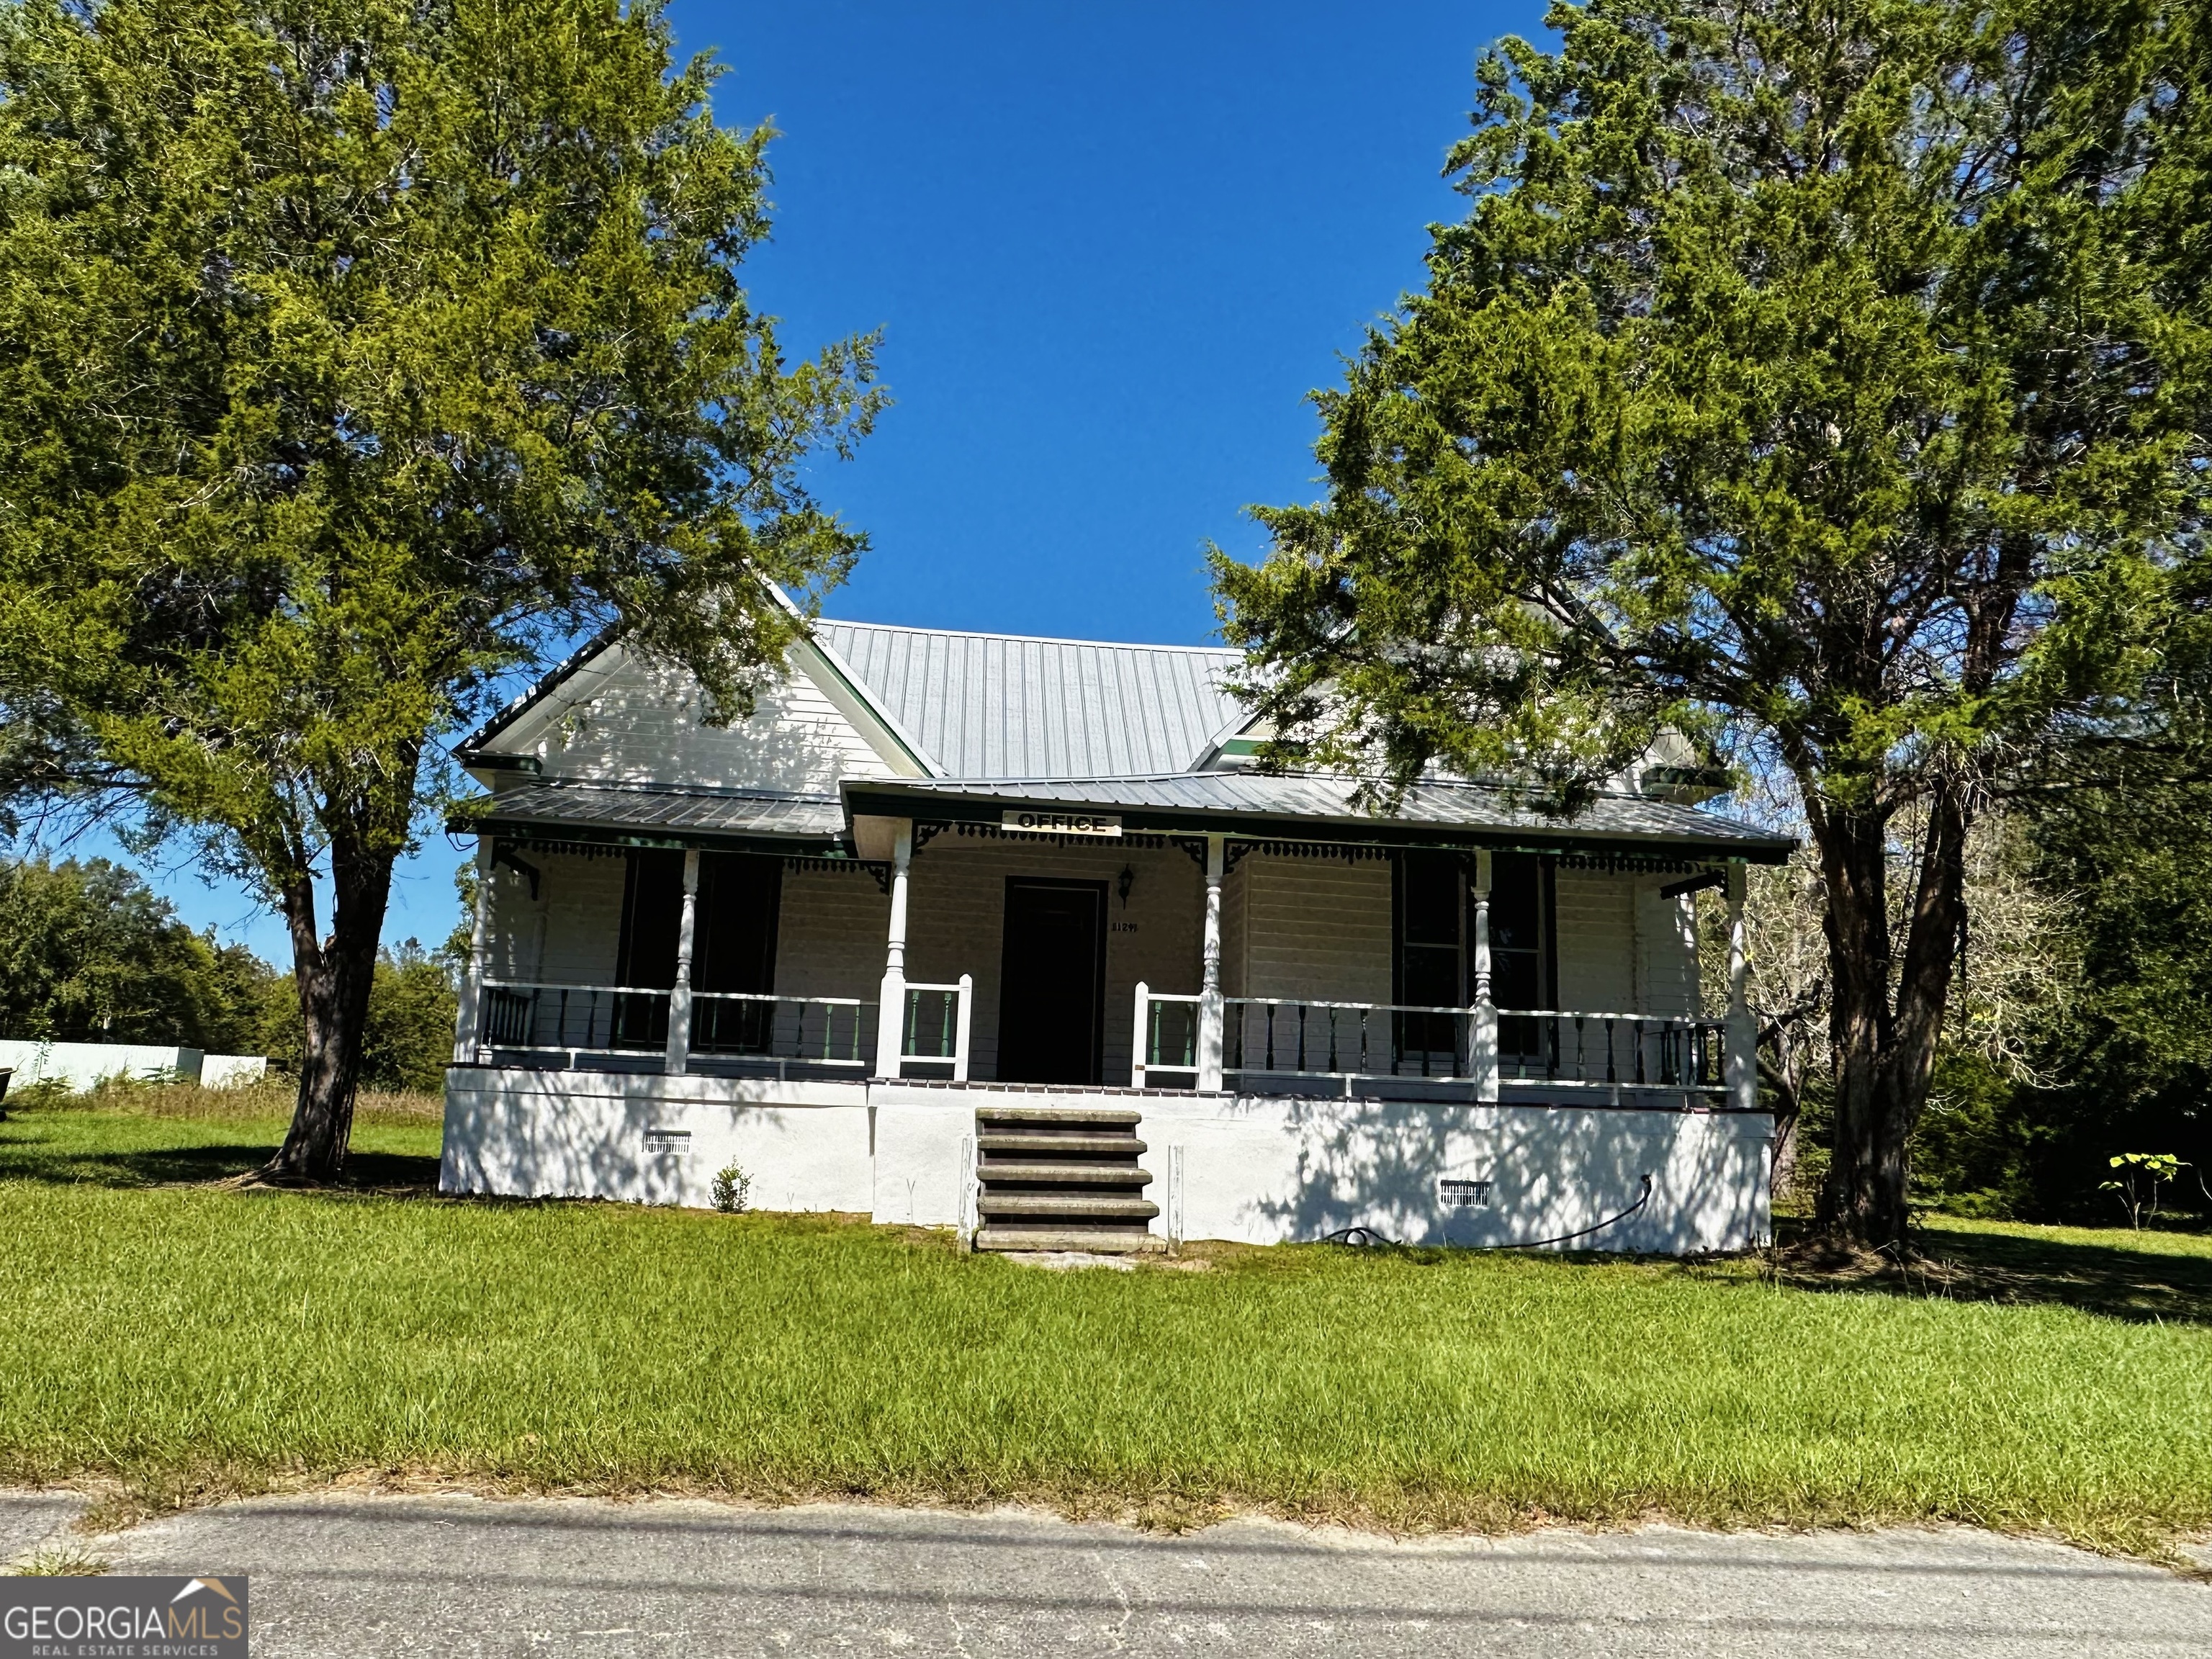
(1666, 950)
(1594, 922)
(568, 935)
(1316, 928)
(623, 721)
(831, 933)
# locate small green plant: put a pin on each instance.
(732, 1189)
(2141, 1174)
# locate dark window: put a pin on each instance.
(652, 914)
(733, 948)
(1520, 944)
(1430, 966)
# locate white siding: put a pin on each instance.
(1235, 931)
(1316, 927)
(1666, 949)
(570, 934)
(619, 719)
(830, 935)
(1595, 919)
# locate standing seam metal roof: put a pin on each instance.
(1326, 798)
(1001, 706)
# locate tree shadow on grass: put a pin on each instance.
(394, 1173)
(2117, 1282)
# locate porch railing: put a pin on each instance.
(1583, 1050)
(595, 1019)
(833, 1032)
(1285, 1036)
(1164, 1039)
(1348, 1043)
(935, 1023)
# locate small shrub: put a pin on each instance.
(732, 1189)
(45, 1095)
(2141, 1175)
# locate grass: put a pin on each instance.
(178, 1342)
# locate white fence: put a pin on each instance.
(83, 1065)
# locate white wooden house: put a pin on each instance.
(1003, 933)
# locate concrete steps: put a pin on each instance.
(1061, 1178)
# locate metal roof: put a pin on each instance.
(568, 806)
(1004, 705)
(1264, 802)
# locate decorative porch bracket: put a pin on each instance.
(890, 1016)
(1739, 1062)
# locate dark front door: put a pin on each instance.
(1052, 985)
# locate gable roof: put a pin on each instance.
(1008, 705)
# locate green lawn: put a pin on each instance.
(186, 1340)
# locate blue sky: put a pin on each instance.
(1110, 249)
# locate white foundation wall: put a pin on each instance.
(1255, 1169)
(1270, 1170)
(524, 1133)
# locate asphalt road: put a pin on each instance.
(357, 1575)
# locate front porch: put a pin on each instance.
(1063, 1038)
(1195, 962)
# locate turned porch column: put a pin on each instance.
(1210, 1005)
(1482, 1022)
(1739, 1067)
(679, 996)
(471, 1008)
(890, 1017)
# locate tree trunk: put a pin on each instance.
(1885, 1040)
(333, 976)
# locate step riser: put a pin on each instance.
(1049, 1175)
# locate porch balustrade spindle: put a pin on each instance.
(1302, 1037)
(1333, 1066)
(1639, 1051)
(1611, 1073)
(1271, 1036)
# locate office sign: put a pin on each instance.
(1032, 821)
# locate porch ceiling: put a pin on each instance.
(1321, 808)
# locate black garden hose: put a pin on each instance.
(1365, 1236)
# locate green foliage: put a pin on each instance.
(1974, 1145)
(409, 1042)
(1784, 351)
(1824, 382)
(89, 953)
(356, 352)
(732, 1189)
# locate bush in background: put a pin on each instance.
(89, 953)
